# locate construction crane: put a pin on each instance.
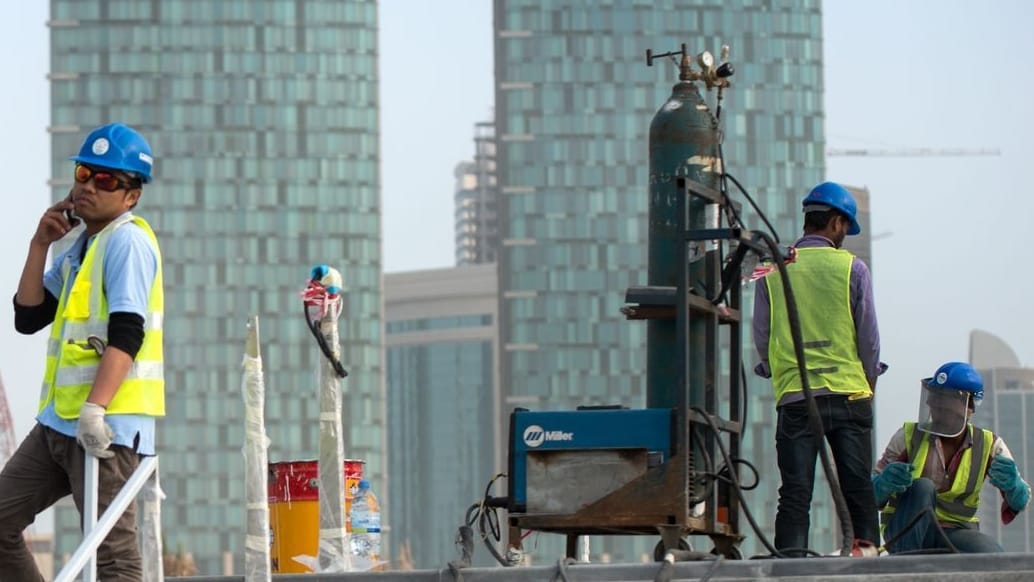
(911, 152)
(8, 444)
(7, 440)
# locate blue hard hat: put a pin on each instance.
(833, 195)
(958, 376)
(117, 146)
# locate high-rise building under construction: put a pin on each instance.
(476, 199)
(263, 117)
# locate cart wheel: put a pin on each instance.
(733, 553)
(658, 550)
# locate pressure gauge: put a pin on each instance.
(705, 60)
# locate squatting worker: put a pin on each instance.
(929, 478)
(103, 386)
(833, 289)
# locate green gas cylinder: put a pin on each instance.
(684, 141)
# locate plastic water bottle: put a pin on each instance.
(366, 524)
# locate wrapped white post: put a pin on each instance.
(256, 463)
(150, 499)
(323, 308)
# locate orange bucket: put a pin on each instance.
(294, 510)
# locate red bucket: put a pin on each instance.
(294, 515)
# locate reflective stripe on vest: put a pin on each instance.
(959, 503)
(821, 279)
(82, 312)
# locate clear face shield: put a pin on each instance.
(943, 411)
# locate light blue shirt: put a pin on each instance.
(127, 287)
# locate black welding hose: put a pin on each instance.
(328, 353)
(483, 514)
(949, 547)
(734, 476)
(752, 203)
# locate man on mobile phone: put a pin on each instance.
(103, 386)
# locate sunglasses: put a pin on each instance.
(103, 180)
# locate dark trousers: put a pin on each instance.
(848, 429)
(46, 467)
(921, 497)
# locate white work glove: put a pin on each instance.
(93, 433)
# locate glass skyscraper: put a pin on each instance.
(263, 118)
(442, 375)
(574, 102)
(1008, 411)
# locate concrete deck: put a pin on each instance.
(914, 568)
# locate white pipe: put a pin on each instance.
(91, 483)
(87, 550)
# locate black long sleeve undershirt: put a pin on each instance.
(125, 330)
(28, 319)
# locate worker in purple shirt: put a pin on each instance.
(833, 290)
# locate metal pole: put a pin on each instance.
(683, 396)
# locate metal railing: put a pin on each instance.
(84, 560)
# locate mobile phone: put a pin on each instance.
(70, 214)
(73, 220)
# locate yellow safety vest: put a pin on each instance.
(82, 312)
(821, 279)
(959, 503)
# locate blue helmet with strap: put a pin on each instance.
(117, 146)
(958, 376)
(829, 195)
(949, 397)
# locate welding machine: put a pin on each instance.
(562, 461)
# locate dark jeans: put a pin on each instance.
(848, 429)
(922, 496)
(46, 467)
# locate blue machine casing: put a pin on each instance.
(532, 432)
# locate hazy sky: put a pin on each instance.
(932, 73)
